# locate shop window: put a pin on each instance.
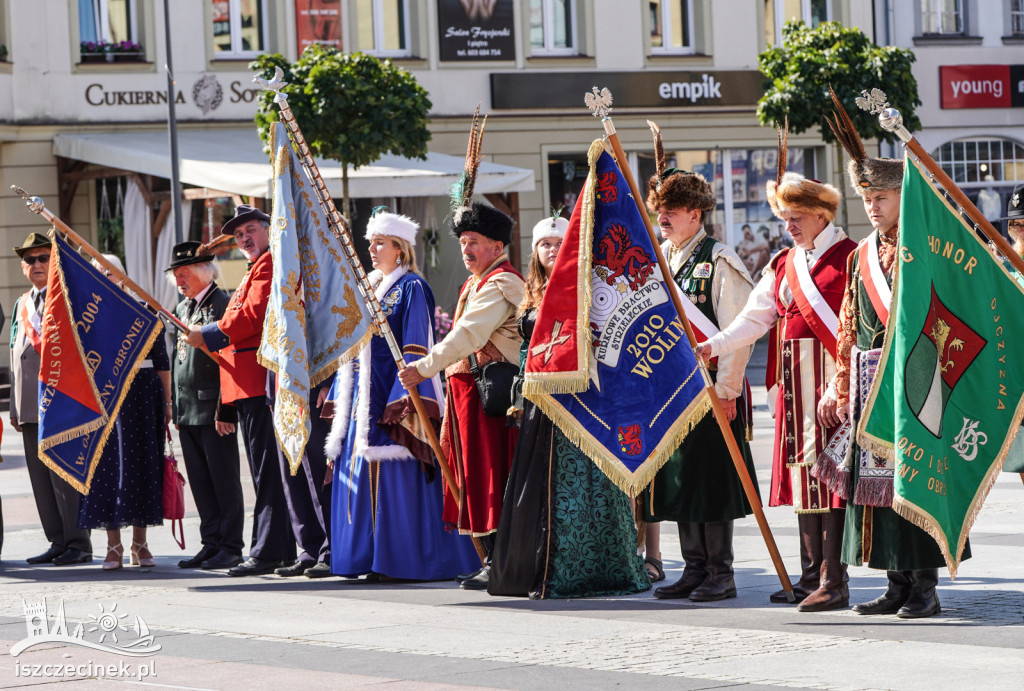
(778, 12)
(671, 26)
(942, 17)
(382, 27)
(108, 31)
(1017, 18)
(742, 218)
(239, 29)
(553, 27)
(985, 169)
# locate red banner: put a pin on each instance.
(318, 21)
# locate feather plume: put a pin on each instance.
(659, 150)
(780, 169)
(845, 132)
(213, 244)
(461, 191)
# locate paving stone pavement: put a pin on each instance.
(218, 632)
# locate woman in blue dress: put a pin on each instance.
(127, 486)
(387, 492)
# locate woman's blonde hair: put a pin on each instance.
(406, 254)
(536, 280)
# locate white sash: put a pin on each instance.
(828, 318)
(703, 329)
(876, 279)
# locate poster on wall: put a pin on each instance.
(475, 30)
(318, 21)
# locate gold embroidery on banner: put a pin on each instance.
(350, 313)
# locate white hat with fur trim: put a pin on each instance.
(394, 225)
(550, 227)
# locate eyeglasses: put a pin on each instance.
(44, 258)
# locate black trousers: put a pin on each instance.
(56, 501)
(212, 464)
(309, 500)
(271, 532)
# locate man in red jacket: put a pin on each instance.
(243, 383)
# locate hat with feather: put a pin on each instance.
(866, 174)
(673, 188)
(793, 192)
(467, 215)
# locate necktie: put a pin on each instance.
(191, 307)
(39, 301)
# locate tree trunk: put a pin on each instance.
(344, 192)
(840, 183)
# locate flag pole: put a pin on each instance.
(600, 104)
(36, 205)
(339, 227)
(892, 121)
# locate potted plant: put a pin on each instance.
(118, 51)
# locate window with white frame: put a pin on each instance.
(382, 27)
(1017, 17)
(778, 12)
(239, 28)
(553, 27)
(671, 26)
(942, 17)
(986, 169)
(107, 21)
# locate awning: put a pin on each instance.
(233, 160)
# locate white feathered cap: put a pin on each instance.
(550, 227)
(395, 225)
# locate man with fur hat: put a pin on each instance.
(798, 296)
(243, 382)
(909, 555)
(478, 447)
(56, 500)
(206, 426)
(699, 488)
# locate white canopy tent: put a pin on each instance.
(232, 160)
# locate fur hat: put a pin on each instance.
(393, 225)
(675, 189)
(796, 193)
(486, 220)
(875, 175)
(550, 227)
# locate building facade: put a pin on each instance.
(75, 67)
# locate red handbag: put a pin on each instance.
(174, 493)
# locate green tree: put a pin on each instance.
(352, 107)
(798, 73)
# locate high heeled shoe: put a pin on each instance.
(118, 561)
(137, 555)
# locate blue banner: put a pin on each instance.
(317, 319)
(93, 336)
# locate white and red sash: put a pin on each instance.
(871, 273)
(809, 300)
(28, 326)
(703, 328)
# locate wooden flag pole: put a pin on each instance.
(892, 121)
(716, 404)
(339, 227)
(35, 204)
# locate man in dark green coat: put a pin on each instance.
(206, 427)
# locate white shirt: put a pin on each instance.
(759, 314)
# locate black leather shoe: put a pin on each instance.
(296, 569)
(462, 577)
(681, 589)
(197, 561)
(319, 570)
(72, 556)
(221, 560)
(255, 566)
(479, 581)
(779, 596)
(923, 601)
(46, 557)
(896, 594)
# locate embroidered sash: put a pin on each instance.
(871, 273)
(815, 311)
(30, 322)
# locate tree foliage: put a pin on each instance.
(352, 107)
(798, 73)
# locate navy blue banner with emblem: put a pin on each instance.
(94, 334)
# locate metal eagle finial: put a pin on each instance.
(599, 102)
(873, 102)
(35, 204)
(890, 119)
(275, 84)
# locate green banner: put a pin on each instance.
(947, 400)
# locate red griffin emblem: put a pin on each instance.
(606, 189)
(629, 440)
(617, 252)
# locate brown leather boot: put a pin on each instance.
(695, 555)
(833, 592)
(810, 559)
(719, 584)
